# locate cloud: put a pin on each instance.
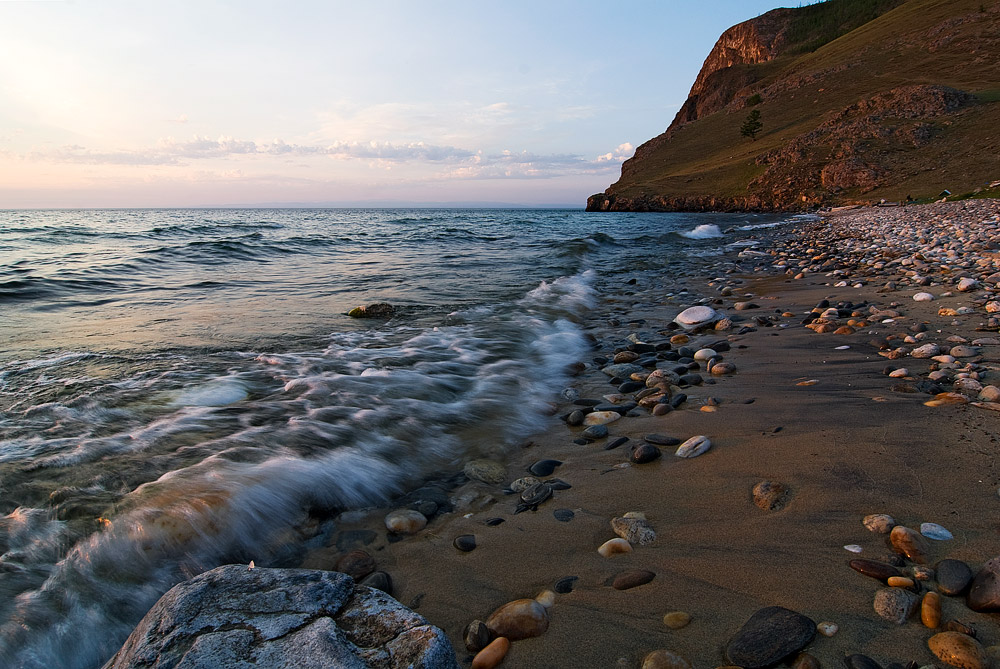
(619, 155)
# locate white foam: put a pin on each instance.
(703, 231)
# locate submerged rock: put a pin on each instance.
(377, 310)
(232, 616)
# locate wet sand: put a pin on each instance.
(853, 443)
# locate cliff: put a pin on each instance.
(860, 101)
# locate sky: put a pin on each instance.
(142, 103)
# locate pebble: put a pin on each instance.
(634, 528)
(662, 409)
(962, 351)
(519, 619)
(925, 351)
(632, 578)
(675, 620)
(909, 543)
(694, 447)
(476, 636)
(953, 576)
(930, 610)
(853, 548)
(959, 650)
(935, 532)
(900, 373)
(620, 441)
(769, 636)
(895, 604)
(405, 521)
(880, 523)
(614, 547)
(859, 661)
(595, 432)
(523, 483)
(563, 515)
(665, 659)
(694, 317)
(546, 598)
(704, 354)
(380, 581)
(357, 564)
(492, 655)
(565, 584)
(923, 297)
(899, 582)
(644, 453)
(662, 439)
(465, 542)
(544, 467)
(827, 629)
(601, 417)
(805, 661)
(770, 495)
(874, 569)
(487, 471)
(984, 593)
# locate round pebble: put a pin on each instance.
(357, 564)
(675, 620)
(520, 619)
(465, 542)
(614, 546)
(895, 604)
(565, 584)
(563, 515)
(935, 532)
(544, 467)
(880, 523)
(664, 659)
(632, 579)
(644, 453)
(487, 471)
(959, 650)
(405, 521)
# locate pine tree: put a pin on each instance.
(752, 125)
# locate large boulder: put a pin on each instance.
(233, 616)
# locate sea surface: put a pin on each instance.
(182, 388)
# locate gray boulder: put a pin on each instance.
(232, 616)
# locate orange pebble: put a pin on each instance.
(899, 582)
(492, 655)
(930, 610)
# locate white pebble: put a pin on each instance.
(854, 548)
(935, 531)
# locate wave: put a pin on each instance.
(703, 231)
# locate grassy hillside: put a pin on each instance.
(955, 43)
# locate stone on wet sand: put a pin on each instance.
(984, 593)
(519, 619)
(405, 521)
(486, 471)
(357, 564)
(952, 576)
(665, 659)
(880, 523)
(634, 528)
(874, 569)
(476, 636)
(693, 447)
(923, 297)
(492, 655)
(544, 467)
(909, 543)
(925, 351)
(465, 542)
(601, 417)
(895, 604)
(769, 636)
(643, 453)
(930, 610)
(693, 318)
(614, 546)
(770, 495)
(959, 650)
(676, 620)
(935, 532)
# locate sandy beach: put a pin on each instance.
(807, 408)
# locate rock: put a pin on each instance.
(694, 447)
(487, 471)
(230, 616)
(625, 356)
(465, 542)
(693, 318)
(989, 394)
(984, 593)
(722, 368)
(805, 661)
(770, 495)
(357, 564)
(662, 409)
(880, 523)
(827, 629)
(953, 577)
(769, 636)
(601, 417)
(874, 569)
(378, 580)
(859, 661)
(704, 354)
(492, 655)
(923, 297)
(675, 620)
(546, 598)
(909, 543)
(965, 285)
(899, 582)
(935, 532)
(614, 547)
(926, 351)
(622, 371)
(523, 483)
(662, 440)
(963, 351)
(544, 467)
(632, 579)
(665, 659)
(643, 453)
(563, 515)
(519, 619)
(895, 604)
(405, 521)
(476, 636)
(959, 650)
(377, 310)
(565, 584)
(930, 610)
(634, 528)
(595, 432)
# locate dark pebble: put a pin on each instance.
(662, 440)
(669, 356)
(984, 593)
(644, 453)
(720, 346)
(357, 564)
(769, 636)
(960, 627)
(678, 399)
(874, 569)
(584, 402)
(557, 484)
(563, 515)
(859, 661)
(642, 348)
(575, 418)
(581, 441)
(493, 522)
(616, 443)
(632, 579)
(378, 580)
(465, 542)
(593, 433)
(544, 467)
(929, 387)
(476, 636)
(692, 380)
(953, 576)
(686, 352)
(631, 387)
(565, 584)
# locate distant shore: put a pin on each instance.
(817, 413)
